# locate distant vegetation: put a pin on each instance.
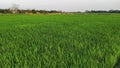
(15, 10)
(27, 11)
(103, 11)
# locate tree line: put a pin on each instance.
(103, 11)
(27, 11)
(33, 11)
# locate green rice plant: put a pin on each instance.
(60, 41)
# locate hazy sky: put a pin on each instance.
(64, 5)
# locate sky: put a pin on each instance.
(63, 5)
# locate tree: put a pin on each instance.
(14, 9)
(34, 11)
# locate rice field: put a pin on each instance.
(60, 41)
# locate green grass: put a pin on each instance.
(60, 41)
